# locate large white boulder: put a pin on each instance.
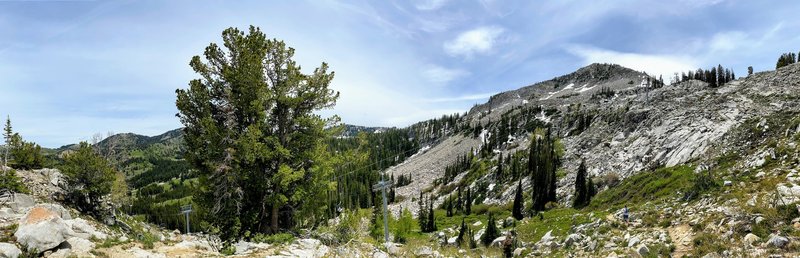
(9, 250)
(43, 228)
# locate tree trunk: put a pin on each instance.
(274, 218)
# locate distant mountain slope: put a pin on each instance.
(619, 121)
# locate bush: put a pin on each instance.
(9, 180)
(27, 155)
(89, 178)
(280, 238)
(402, 228)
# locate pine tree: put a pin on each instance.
(516, 211)
(749, 71)
(581, 188)
(449, 206)
(462, 231)
(7, 133)
(254, 137)
(543, 161)
(458, 201)
(422, 218)
(431, 227)
(468, 204)
(89, 178)
(491, 231)
(499, 175)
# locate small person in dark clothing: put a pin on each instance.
(625, 214)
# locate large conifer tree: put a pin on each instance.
(252, 134)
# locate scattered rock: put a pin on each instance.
(393, 248)
(518, 251)
(572, 239)
(477, 224)
(643, 250)
(751, 239)
(424, 251)
(727, 183)
(634, 241)
(137, 252)
(777, 241)
(498, 242)
(9, 250)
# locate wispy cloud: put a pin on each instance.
(471, 97)
(480, 40)
(429, 5)
(438, 74)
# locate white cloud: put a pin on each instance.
(481, 96)
(438, 74)
(655, 65)
(479, 40)
(430, 5)
(727, 41)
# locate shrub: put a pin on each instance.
(27, 155)
(9, 180)
(280, 238)
(402, 228)
(89, 177)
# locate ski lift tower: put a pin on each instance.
(382, 186)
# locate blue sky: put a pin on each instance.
(70, 69)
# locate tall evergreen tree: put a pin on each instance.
(431, 227)
(581, 187)
(7, 133)
(468, 202)
(749, 70)
(422, 218)
(462, 232)
(516, 211)
(491, 231)
(543, 161)
(253, 135)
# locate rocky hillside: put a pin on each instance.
(627, 125)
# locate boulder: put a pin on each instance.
(21, 202)
(477, 224)
(643, 250)
(43, 228)
(82, 228)
(633, 241)
(777, 241)
(9, 250)
(751, 239)
(518, 252)
(424, 251)
(727, 183)
(44, 235)
(572, 239)
(498, 242)
(393, 249)
(547, 237)
(8, 214)
(478, 235)
(452, 240)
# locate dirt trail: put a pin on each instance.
(681, 236)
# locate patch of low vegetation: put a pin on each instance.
(560, 221)
(658, 185)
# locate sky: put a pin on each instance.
(72, 69)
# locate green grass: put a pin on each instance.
(644, 187)
(560, 221)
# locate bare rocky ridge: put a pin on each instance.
(636, 129)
